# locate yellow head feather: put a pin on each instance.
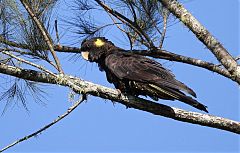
(99, 43)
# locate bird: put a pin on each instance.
(135, 74)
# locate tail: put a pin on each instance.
(178, 95)
(190, 101)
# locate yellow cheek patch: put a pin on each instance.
(99, 43)
(85, 55)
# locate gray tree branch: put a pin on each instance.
(204, 36)
(85, 87)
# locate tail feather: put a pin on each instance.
(178, 95)
(190, 101)
(178, 86)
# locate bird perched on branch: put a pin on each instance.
(136, 74)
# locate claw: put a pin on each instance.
(119, 93)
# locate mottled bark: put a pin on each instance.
(84, 87)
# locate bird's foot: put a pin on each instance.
(119, 93)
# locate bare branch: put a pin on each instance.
(25, 46)
(70, 109)
(237, 58)
(84, 87)
(12, 43)
(165, 15)
(130, 4)
(115, 23)
(57, 35)
(204, 36)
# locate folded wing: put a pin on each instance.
(144, 70)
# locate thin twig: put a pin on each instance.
(31, 54)
(114, 21)
(133, 11)
(165, 17)
(129, 35)
(130, 41)
(154, 22)
(70, 109)
(28, 62)
(45, 34)
(57, 35)
(237, 58)
(128, 22)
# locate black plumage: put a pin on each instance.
(135, 74)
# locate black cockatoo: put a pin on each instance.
(136, 74)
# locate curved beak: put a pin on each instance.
(85, 55)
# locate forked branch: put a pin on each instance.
(204, 36)
(45, 34)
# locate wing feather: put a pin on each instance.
(142, 69)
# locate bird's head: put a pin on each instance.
(96, 48)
